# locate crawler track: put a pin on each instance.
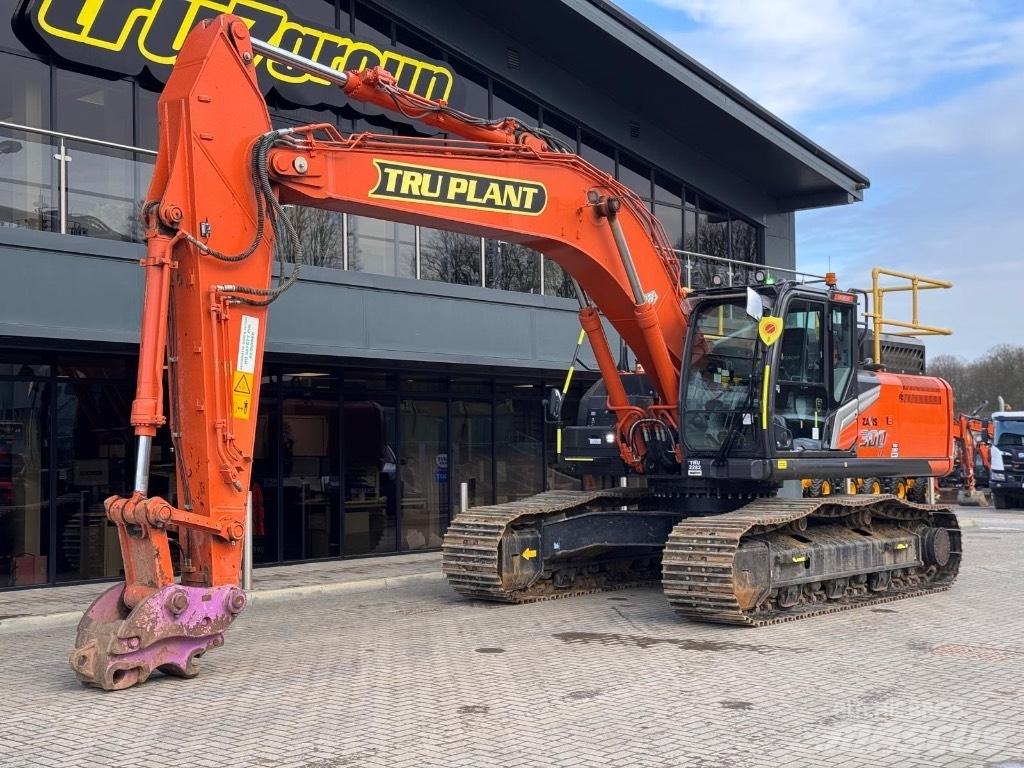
(699, 576)
(472, 555)
(698, 565)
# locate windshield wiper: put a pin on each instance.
(733, 429)
(730, 438)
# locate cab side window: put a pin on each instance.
(842, 350)
(802, 353)
(801, 393)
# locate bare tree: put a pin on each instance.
(997, 373)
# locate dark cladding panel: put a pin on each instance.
(61, 295)
(95, 296)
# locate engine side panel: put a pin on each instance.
(902, 416)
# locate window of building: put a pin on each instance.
(635, 175)
(147, 132)
(8, 38)
(689, 228)
(95, 460)
(744, 240)
(667, 190)
(512, 267)
(509, 103)
(472, 446)
(28, 193)
(519, 440)
(598, 153)
(671, 219)
(311, 472)
(564, 130)
(557, 282)
(423, 383)
(424, 472)
(476, 386)
(381, 247)
(360, 380)
(102, 194)
(371, 26)
(266, 469)
(450, 257)
(24, 479)
(343, 465)
(321, 236)
(29, 102)
(371, 471)
(24, 363)
(470, 92)
(93, 107)
(712, 229)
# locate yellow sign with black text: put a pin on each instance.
(456, 189)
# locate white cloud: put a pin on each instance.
(927, 99)
(804, 56)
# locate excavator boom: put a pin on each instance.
(213, 214)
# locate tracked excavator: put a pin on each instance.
(743, 389)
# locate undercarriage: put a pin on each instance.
(765, 561)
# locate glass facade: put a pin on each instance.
(103, 185)
(346, 463)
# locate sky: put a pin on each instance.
(927, 99)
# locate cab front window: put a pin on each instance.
(717, 406)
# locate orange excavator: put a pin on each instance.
(744, 392)
(972, 452)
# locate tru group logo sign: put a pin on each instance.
(138, 37)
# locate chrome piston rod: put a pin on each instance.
(293, 60)
(142, 464)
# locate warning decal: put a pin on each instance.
(241, 381)
(241, 395)
(247, 344)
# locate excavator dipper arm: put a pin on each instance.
(213, 215)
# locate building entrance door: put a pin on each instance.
(424, 473)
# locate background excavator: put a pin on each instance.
(972, 458)
(743, 389)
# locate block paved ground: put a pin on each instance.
(420, 677)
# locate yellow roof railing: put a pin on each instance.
(908, 283)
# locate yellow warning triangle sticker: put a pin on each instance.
(769, 329)
(242, 384)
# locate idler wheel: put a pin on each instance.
(936, 546)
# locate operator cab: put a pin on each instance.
(771, 375)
